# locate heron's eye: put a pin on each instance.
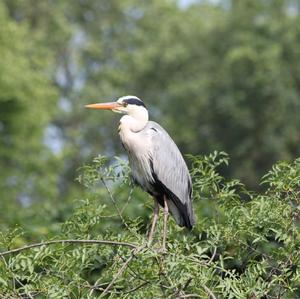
(125, 104)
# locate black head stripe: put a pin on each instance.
(134, 101)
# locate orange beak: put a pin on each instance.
(104, 106)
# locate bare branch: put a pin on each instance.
(100, 242)
(189, 296)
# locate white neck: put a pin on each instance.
(135, 120)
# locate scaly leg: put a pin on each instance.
(166, 214)
(154, 221)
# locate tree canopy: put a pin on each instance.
(244, 245)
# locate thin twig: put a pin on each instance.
(121, 270)
(99, 288)
(187, 284)
(127, 201)
(96, 285)
(213, 265)
(136, 288)
(213, 256)
(119, 212)
(189, 296)
(114, 202)
(102, 242)
(209, 291)
(123, 208)
(136, 275)
(160, 260)
(180, 292)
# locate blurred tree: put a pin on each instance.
(237, 249)
(27, 101)
(48, 23)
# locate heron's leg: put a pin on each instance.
(166, 214)
(154, 221)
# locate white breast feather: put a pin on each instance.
(139, 154)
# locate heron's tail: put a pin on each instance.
(182, 213)
(190, 219)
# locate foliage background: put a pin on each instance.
(218, 75)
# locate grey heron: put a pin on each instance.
(156, 162)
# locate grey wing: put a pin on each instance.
(171, 173)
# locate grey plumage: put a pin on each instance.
(159, 168)
(156, 162)
(170, 169)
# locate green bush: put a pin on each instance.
(244, 245)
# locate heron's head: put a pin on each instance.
(130, 105)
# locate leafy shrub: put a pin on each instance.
(244, 245)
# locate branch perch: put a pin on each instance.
(100, 242)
